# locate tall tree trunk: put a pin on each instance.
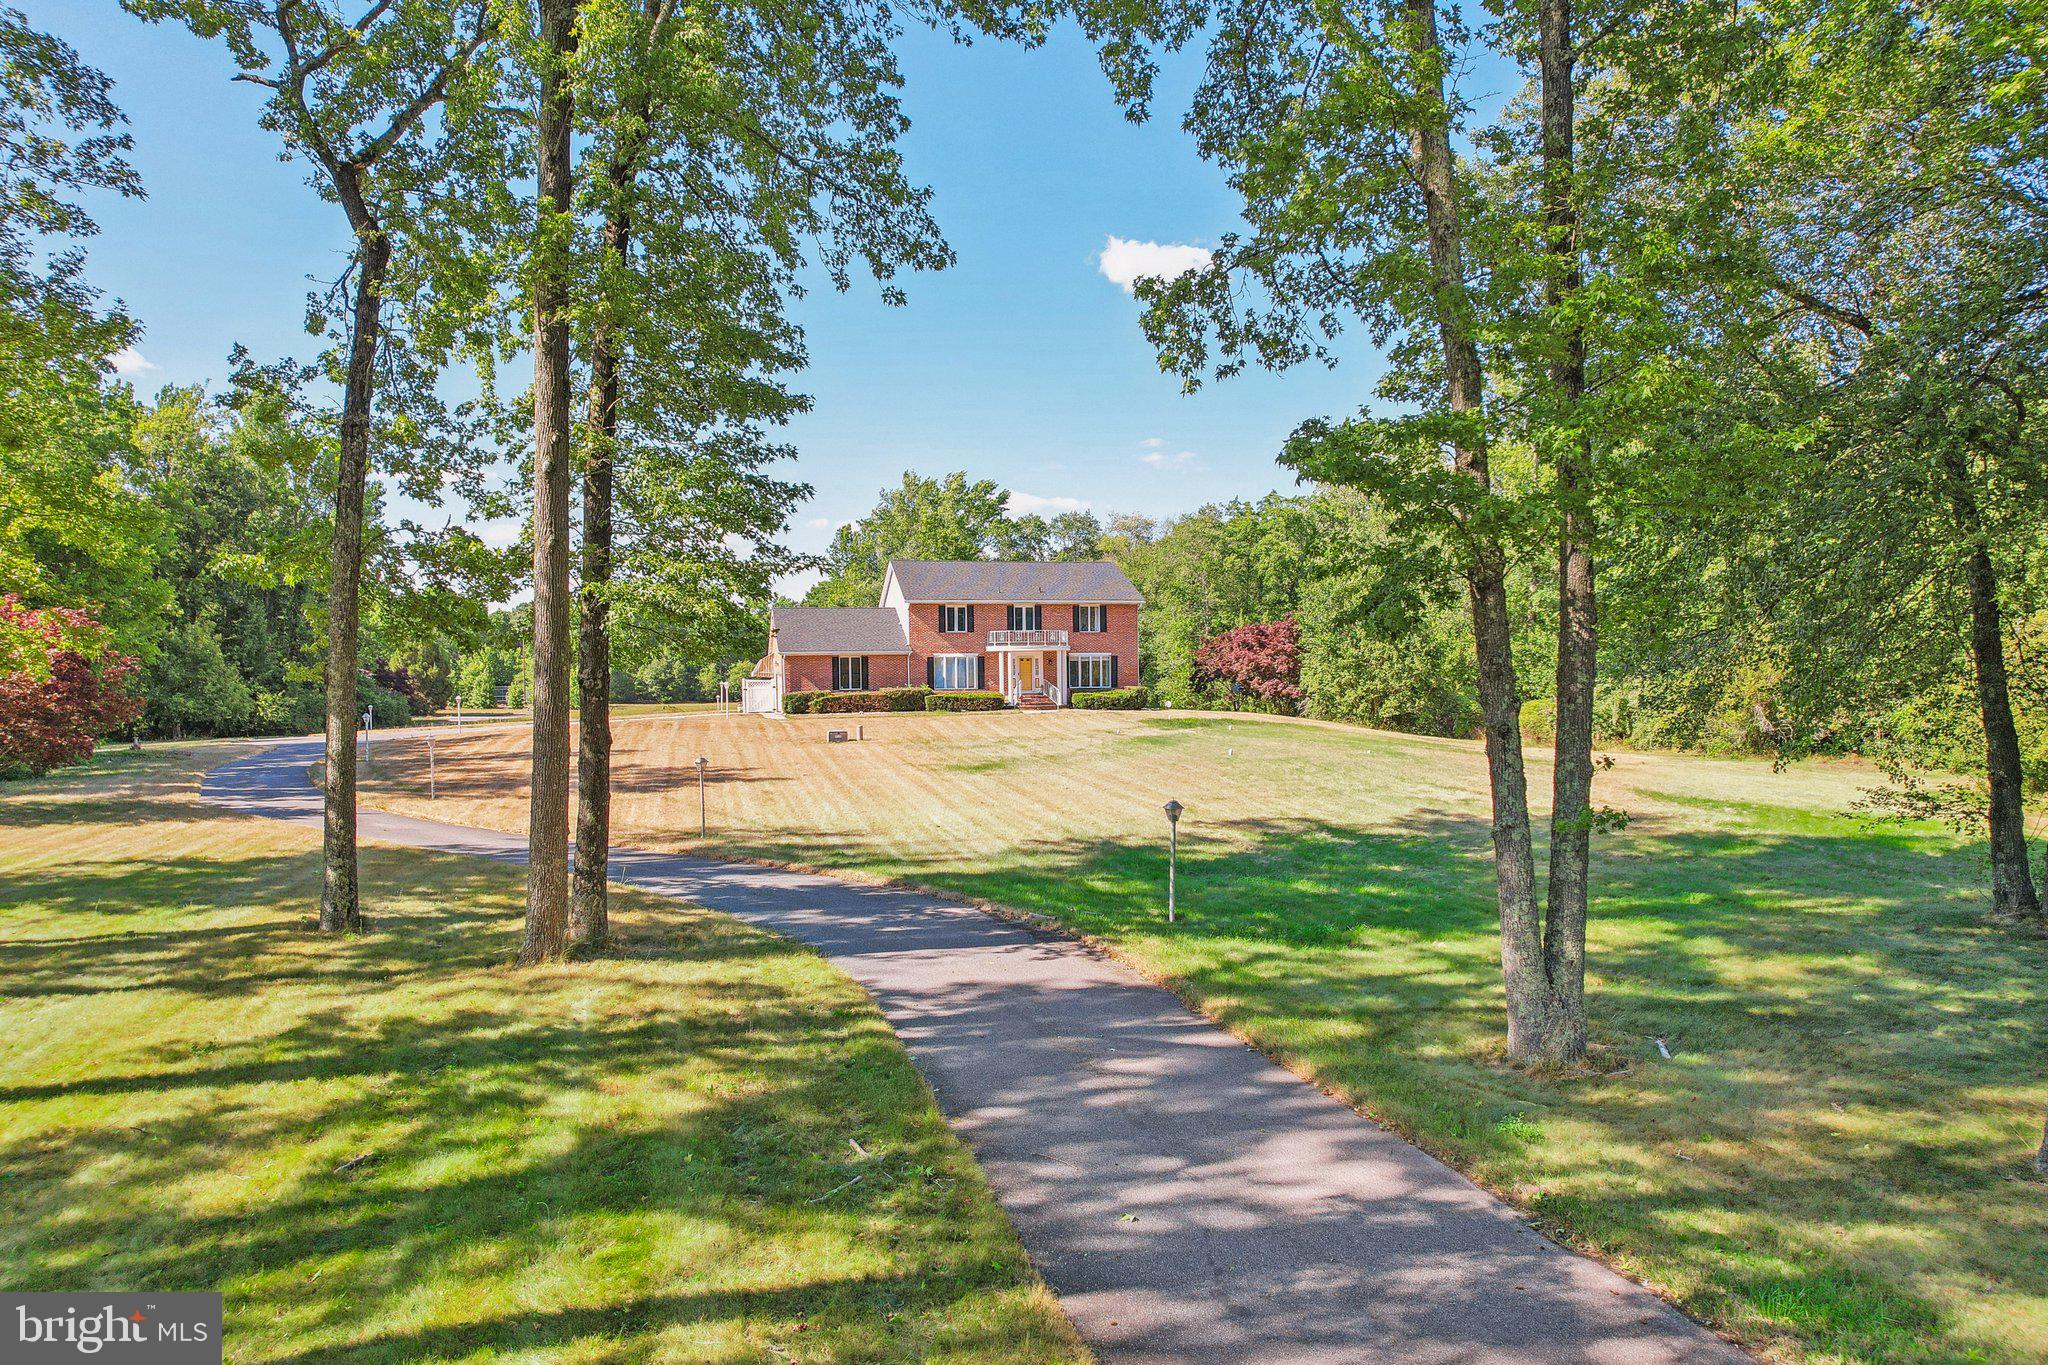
(341, 909)
(1500, 702)
(1571, 832)
(589, 910)
(2012, 881)
(547, 876)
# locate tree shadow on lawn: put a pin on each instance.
(652, 1140)
(222, 926)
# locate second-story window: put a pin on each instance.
(1026, 618)
(1091, 620)
(956, 620)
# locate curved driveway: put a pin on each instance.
(1187, 1199)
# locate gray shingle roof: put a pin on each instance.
(988, 580)
(837, 630)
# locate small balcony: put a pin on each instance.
(1027, 639)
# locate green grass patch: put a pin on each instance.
(705, 1146)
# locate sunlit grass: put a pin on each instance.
(705, 1147)
(1833, 1161)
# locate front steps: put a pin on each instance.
(1036, 701)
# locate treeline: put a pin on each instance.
(1383, 646)
(1385, 637)
(194, 528)
(496, 669)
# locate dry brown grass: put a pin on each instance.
(960, 787)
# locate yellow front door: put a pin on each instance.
(1027, 673)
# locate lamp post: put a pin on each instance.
(1173, 810)
(368, 716)
(702, 825)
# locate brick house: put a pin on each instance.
(1035, 632)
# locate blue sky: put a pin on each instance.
(1024, 363)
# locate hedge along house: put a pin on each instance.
(1035, 632)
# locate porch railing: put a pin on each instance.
(1027, 639)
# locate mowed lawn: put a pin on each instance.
(706, 1147)
(1834, 1161)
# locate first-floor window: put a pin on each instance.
(1091, 672)
(954, 672)
(850, 673)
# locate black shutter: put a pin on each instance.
(981, 672)
(970, 618)
(1112, 670)
(930, 675)
(1077, 620)
(863, 672)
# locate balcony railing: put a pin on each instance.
(1027, 639)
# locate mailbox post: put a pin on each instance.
(1173, 810)
(703, 824)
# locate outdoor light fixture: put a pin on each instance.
(702, 825)
(1173, 810)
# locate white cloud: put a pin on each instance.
(819, 523)
(129, 363)
(1126, 262)
(1024, 504)
(1159, 459)
(1153, 442)
(500, 533)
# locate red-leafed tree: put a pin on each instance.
(1261, 660)
(62, 686)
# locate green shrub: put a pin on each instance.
(387, 708)
(1116, 699)
(905, 698)
(1614, 715)
(519, 690)
(799, 703)
(1539, 721)
(291, 711)
(848, 703)
(964, 701)
(193, 689)
(480, 674)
